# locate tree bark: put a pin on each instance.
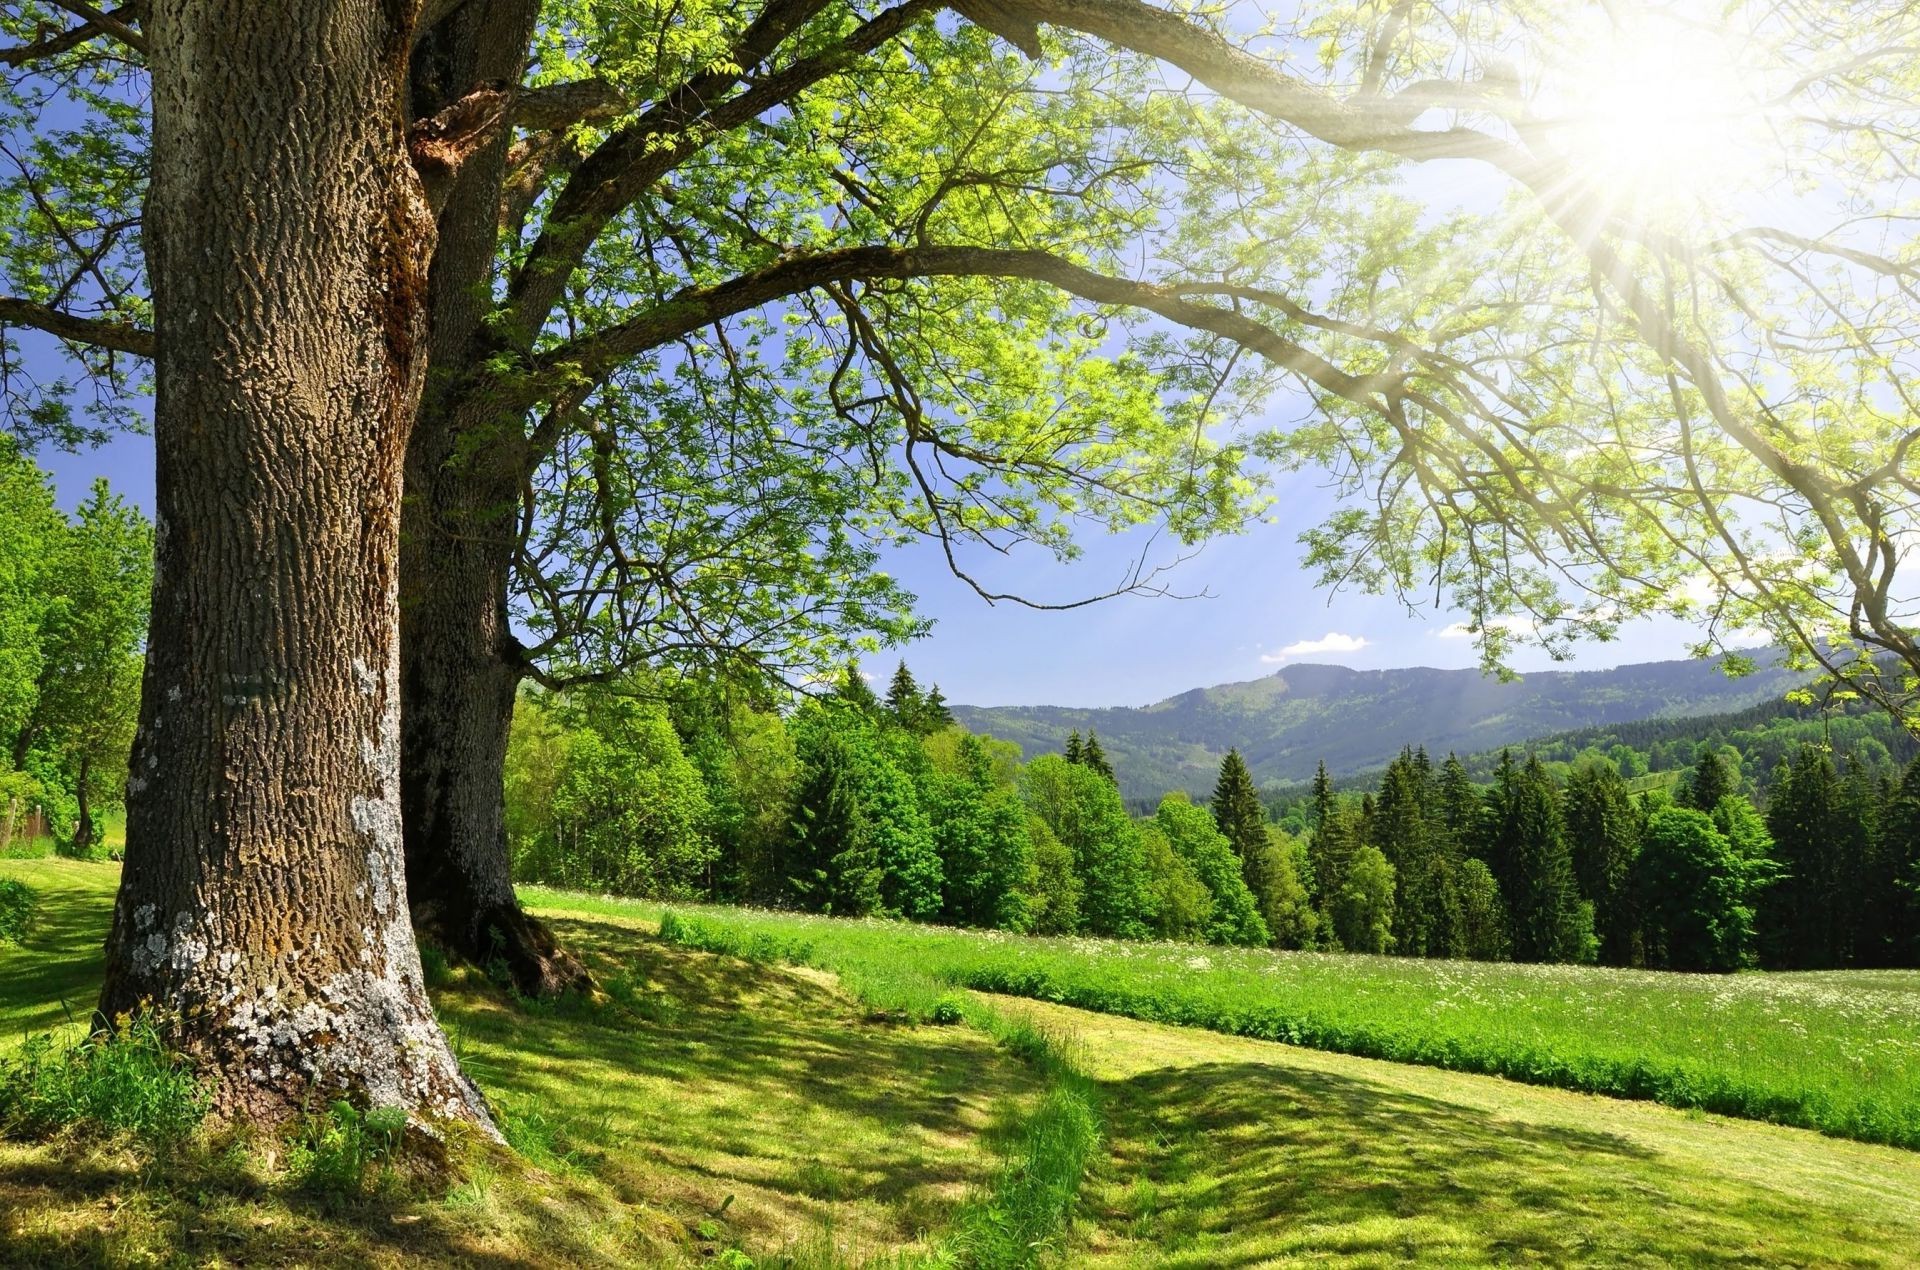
(460, 661)
(262, 912)
(83, 829)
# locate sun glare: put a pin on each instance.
(1654, 117)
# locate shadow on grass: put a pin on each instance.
(53, 974)
(1231, 1164)
(755, 1081)
(716, 1103)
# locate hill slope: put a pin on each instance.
(1358, 719)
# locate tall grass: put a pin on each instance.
(1832, 1052)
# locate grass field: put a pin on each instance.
(713, 1108)
(737, 1112)
(1835, 1052)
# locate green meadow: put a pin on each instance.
(1838, 1052)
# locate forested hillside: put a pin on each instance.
(1355, 720)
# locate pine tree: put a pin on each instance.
(1322, 793)
(938, 714)
(1801, 916)
(854, 691)
(1894, 877)
(1712, 780)
(1603, 837)
(1095, 758)
(904, 701)
(1073, 747)
(828, 863)
(1530, 861)
(1425, 913)
(1330, 854)
(1458, 801)
(1237, 810)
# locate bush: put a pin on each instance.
(123, 1081)
(17, 902)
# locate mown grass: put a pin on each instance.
(1839, 1053)
(1225, 1151)
(708, 1111)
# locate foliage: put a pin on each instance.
(1234, 910)
(17, 903)
(1084, 811)
(1696, 893)
(1362, 909)
(603, 797)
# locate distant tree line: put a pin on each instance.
(862, 805)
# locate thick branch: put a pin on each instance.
(593, 355)
(121, 337)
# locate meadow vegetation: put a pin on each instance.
(1834, 1052)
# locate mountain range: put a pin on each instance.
(1287, 722)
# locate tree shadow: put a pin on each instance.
(1233, 1163)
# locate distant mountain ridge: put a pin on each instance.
(1355, 720)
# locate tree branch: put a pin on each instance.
(122, 337)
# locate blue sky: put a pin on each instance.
(1257, 605)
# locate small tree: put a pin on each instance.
(1363, 909)
(1483, 915)
(1234, 912)
(1696, 893)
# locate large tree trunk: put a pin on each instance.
(460, 663)
(263, 906)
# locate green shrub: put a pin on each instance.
(123, 1081)
(17, 902)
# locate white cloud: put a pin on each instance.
(1513, 625)
(1331, 642)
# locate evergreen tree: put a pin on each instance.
(1425, 909)
(1892, 936)
(1242, 820)
(828, 862)
(1530, 861)
(1322, 793)
(854, 691)
(1803, 915)
(1457, 801)
(938, 714)
(1602, 836)
(1095, 759)
(1713, 778)
(1073, 747)
(904, 701)
(1330, 853)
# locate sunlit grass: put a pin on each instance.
(710, 1111)
(1224, 1151)
(1835, 1052)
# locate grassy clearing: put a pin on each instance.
(712, 1111)
(1835, 1052)
(1224, 1151)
